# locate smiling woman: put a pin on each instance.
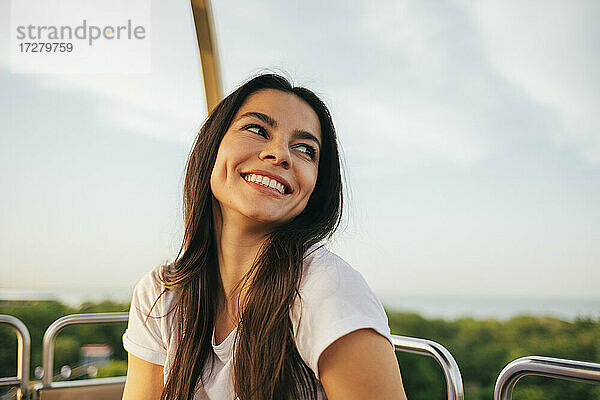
(254, 307)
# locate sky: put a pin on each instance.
(469, 132)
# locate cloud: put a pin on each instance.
(167, 104)
(408, 74)
(466, 82)
(415, 132)
(550, 51)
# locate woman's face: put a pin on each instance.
(267, 163)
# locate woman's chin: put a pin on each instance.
(267, 219)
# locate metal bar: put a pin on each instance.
(101, 388)
(11, 381)
(23, 354)
(74, 319)
(82, 383)
(454, 384)
(209, 54)
(570, 370)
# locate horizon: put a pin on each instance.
(448, 307)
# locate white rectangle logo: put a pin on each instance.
(80, 36)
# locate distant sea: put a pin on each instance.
(444, 307)
(69, 296)
(453, 307)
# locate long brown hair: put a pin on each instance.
(266, 362)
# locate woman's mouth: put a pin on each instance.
(267, 182)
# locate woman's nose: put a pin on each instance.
(277, 153)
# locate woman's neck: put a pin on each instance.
(238, 244)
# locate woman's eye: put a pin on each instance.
(259, 130)
(308, 150)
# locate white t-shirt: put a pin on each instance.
(336, 300)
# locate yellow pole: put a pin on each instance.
(209, 55)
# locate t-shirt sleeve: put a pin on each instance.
(334, 300)
(143, 337)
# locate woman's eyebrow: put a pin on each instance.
(267, 119)
(298, 134)
(263, 117)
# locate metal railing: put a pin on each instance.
(21, 381)
(454, 384)
(533, 365)
(570, 370)
(74, 319)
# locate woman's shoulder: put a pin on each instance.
(148, 332)
(149, 292)
(329, 272)
(334, 300)
(151, 281)
(318, 259)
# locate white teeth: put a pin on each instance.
(266, 181)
